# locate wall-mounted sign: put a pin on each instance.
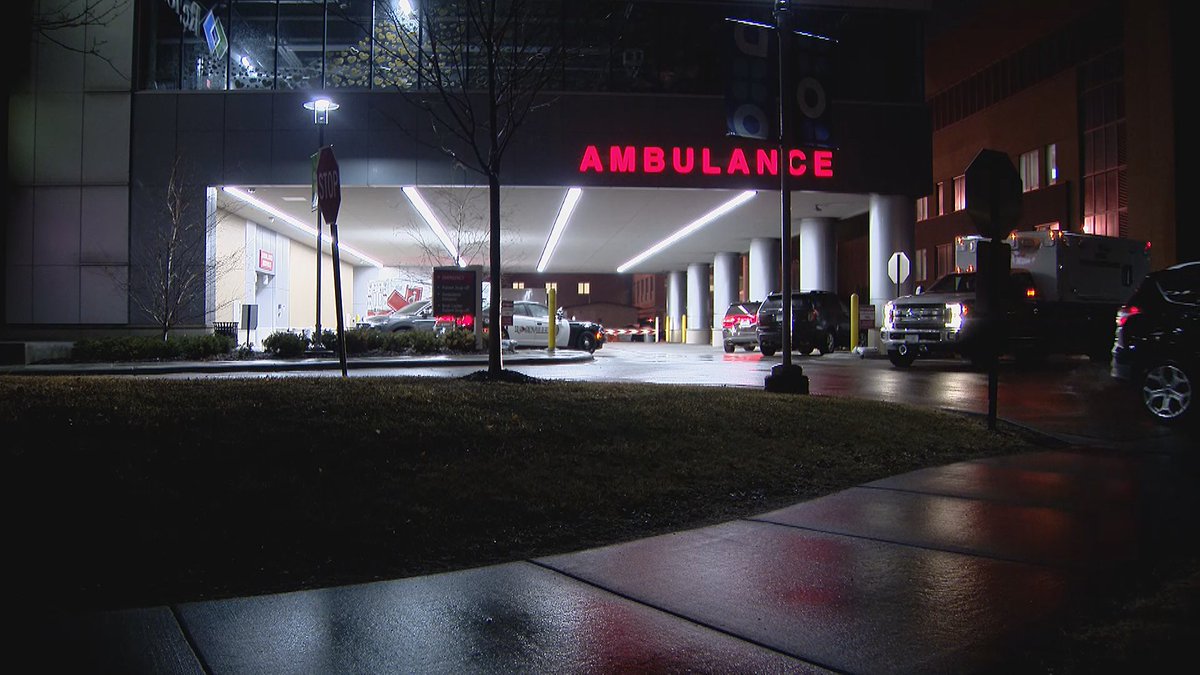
(682, 161)
(195, 20)
(266, 261)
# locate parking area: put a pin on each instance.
(1070, 397)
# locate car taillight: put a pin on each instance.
(1125, 312)
(465, 321)
(738, 320)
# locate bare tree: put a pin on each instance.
(480, 67)
(169, 287)
(54, 17)
(465, 218)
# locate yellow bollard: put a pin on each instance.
(552, 298)
(683, 332)
(853, 321)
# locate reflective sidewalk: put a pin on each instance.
(951, 569)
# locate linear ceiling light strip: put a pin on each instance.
(432, 221)
(260, 204)
(560, 224)
(690, 228)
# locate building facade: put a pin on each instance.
(209, 98)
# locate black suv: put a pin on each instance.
(1158, 341)
(819, 320)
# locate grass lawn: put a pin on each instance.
(130, 492)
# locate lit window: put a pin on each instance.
(960, 193)
(518, 284)
(1052, 164)
(941, 198)
(1030, 167)
(922, 209)
(551, 285)
(585, 288)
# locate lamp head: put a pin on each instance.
(321, 107)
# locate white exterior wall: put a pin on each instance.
(69, 122)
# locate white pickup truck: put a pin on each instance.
(1063, 292)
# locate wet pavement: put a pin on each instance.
(961, 568)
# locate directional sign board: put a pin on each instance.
(329, 185)
(898, 267)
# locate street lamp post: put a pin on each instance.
(321, 108)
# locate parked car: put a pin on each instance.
(586, 335)
(413, 316)
(819, 320)
(739, 327)
(1157, 345)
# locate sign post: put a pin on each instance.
(993, 194)
(329, 200)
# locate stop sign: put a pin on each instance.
(329, 185)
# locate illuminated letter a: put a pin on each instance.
(591, 160)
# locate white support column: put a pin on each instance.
(893, 221)
(726, 268)
(764, 267)
(818, 254)
(676, 286)
(699, 330)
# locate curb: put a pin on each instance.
(275, 365)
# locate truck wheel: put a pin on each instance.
(1167, 392)
(901, 360)
(767, 351)
(826, 345)
(587, 342)
(729, 347)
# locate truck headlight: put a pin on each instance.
(889, 315)
(955, 311)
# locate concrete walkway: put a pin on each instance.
(951, 569)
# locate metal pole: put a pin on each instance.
(783, 28)
(337, 298)
(320, 144)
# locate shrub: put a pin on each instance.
(459, 340)
(425, 342)
(205, 346)
(328, 340)
(363, 340)
(285, 344)
(129, 348)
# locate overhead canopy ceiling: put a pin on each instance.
(609, 227)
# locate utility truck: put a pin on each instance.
(1062, 294)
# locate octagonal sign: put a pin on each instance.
(993, 194)
(329, 185)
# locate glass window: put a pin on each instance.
(537, 311)
(921, 265)
(941, 198)
(1030, 168)
(252, 45)
(1051, 164)
(348, 44)
(518, 284)
(159, 61)
(205, 63)
(395, 47)
(945, 259)
(923, 209)
(551, 285)
(301, 45)
(585, 288)
(960, 193)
